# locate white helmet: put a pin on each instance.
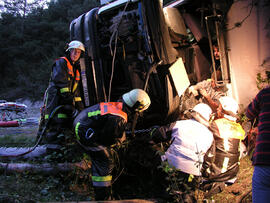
(76, 45)
(137, 99)
(229, 104)
(204, 110)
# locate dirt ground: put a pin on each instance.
(27, 187)
(240, 191)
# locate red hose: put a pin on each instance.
(9, 123)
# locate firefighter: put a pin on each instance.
(99, 127)
(62, 99)
(221, 163)
(190, 140)
(190, 137)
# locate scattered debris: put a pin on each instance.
(10, 112)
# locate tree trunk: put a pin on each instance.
(44, 169)
(13, 152)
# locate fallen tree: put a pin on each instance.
(44, 168)
(14, 152)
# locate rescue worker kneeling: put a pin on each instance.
(190, 140)
(98, 127)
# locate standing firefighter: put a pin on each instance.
(98, 127)
(62, 99)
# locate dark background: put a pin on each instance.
(32, 36)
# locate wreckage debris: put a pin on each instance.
(12, 114)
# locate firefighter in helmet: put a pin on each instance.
(62, 99)
(221, 163)
(99, 127)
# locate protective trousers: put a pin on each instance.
(102, 167)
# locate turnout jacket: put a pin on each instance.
(221, 162)
(190, 141)
(63, 87)
(100, 124)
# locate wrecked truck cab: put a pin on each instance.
(128, 46)
(140, 44)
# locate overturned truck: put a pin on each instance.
(130, 45)
(162, 49)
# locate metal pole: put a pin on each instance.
(211, 46)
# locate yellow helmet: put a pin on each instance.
(76, 45)
(137, 99)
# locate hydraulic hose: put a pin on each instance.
(40, 136)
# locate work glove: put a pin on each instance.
(71, 110)
(158, 134)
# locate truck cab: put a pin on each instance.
(165, 47)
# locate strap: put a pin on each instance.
(84, 82)
(70, 67)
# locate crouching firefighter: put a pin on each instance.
(222, 162)
(190, 141)
(99, 127)
(62, 99)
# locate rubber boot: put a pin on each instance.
(103, 193)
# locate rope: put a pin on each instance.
(40, 137)
(113, 53)
(141, 131)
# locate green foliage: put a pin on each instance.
(263, 80)
(242, 118)
(181, 186)
(31, 43)
(28, 187)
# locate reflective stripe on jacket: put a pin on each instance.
(230, 129)
(63, 87)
